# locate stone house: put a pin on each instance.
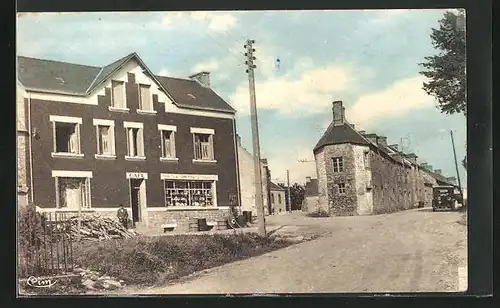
(278, 201)
(359, 173)
(311, 195)
(99, 137)
(247, 180)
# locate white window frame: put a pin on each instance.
(191, 177)
(140, 144)
(172, 129)
(111, 124)
(113, 106)
(65, 119)
(141, 109)
(339, 163)
(204, 131)
(87, 175)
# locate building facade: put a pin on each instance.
(360, 174)
(163, 147)
(278, 198)
(247, 180)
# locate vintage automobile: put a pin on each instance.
(445, 198)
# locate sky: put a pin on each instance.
(366, 58)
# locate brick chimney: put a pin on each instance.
(202, 78)
(338, 113)
(382, 140)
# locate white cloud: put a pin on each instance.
(397, 100)
(164, 72)
(306, 93)
(290, 160)
(209, 66)
(216, 21)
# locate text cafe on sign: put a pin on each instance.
(137, 175)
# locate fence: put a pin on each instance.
(45, 244)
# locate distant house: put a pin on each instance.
(278, 201)
(360, 174)
(311, 195)
(247, 180)
(99, 137)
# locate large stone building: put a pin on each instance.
(278, 201)
(98, 137)
(360, 174)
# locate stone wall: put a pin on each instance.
(310, 204)
(363, 176)
(339, 204)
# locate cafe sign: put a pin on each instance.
(137, 175)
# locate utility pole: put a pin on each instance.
(456, 164)
(288, 185)
(259, 199)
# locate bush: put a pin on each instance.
(30, 237)
(156, 260)
(319, 213)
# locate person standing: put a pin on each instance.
(123, 216)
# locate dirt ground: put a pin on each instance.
(411, 251)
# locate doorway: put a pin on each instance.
(137, 196)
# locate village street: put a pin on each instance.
(411, 251)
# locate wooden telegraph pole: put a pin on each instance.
(288, 187)
(259, 200)
(456, 165)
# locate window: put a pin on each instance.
(118, 99)
(135, 140)
(341, 187)
(366, 159)
(272, 198)
(105, 132)
(145, 99)
(338, 164)
(203, 144)
(167, 139)
(66, 136)
(189, 193)
(72, 189)
(279, 198)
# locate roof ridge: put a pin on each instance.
(178, 78)
(56, 61)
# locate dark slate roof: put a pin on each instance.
(337, 134)
(201, 97)
(75, 79)
(42, 75)
(273, 186)
(311, 188)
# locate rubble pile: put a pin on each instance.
(95, 227)
(94, 280)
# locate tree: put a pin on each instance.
(297, 193)
(446, 71)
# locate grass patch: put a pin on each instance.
(157, 260)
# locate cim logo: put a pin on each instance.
(37, 282)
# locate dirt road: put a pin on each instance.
(411, 251)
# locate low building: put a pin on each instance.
(99, 137)
(278, 201)
(311, 195)
(246, 172)
(360, 174)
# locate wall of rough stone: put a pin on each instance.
(339, 204)
(392, 186)
(321, 166)
(310, 204)
(363, 175)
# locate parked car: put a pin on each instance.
(445, 198)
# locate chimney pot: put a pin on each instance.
(202, 78)
(338, 113)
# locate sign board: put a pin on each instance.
(192, 177)
(137, 175)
